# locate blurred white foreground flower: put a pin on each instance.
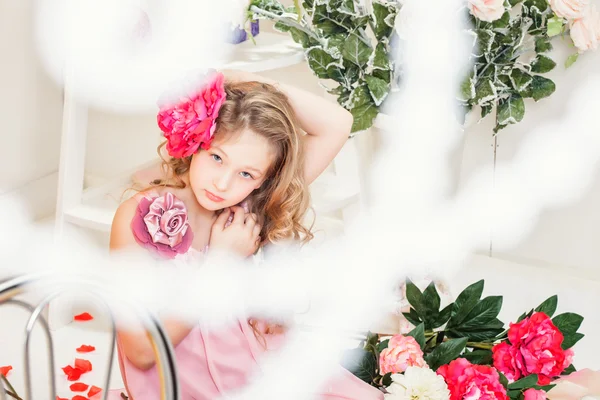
(418, 384)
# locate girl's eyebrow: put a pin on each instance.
(220, 150)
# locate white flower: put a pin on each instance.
(486, 10)
(418, 384)
(569, 9)
(585, 31)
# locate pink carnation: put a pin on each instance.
(161, 225)
(191, 122)
(533, 394)
(468, 381)
(402, 352)
(535, 348)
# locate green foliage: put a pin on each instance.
(351, 47)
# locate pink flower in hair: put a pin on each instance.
(191, 121)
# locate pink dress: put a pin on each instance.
(212, 363)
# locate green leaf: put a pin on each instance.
(378, 88)
(549, 305)
(571, 60)
(356, 51)
(478, 334)
(515, 394)
(485, 311)
(323, 21)
(415, 297)
(511, 110)
(520, 80)
(479, 356)
(485, 92)
(542, 64)
(541, 5)
(386, 380)
(569, 370)
(525, 315)
(503, 380)
(568, 323)
(485, 110)
(382, 12)
(443, 316)
(419, 334)
(412, 317)
(465, 302)
(445, 352)
(527, 382)
(431, 299)
(363, 117)
(542, 44)
(555, 25)
(319, 61)
(485, 39)
(502, 22)
(383, 345)
(362, 363)
(570, 340)
(467, 89)
(381, 60)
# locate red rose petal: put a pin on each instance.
(79, 387)
(84, 348)
(83, 317)
(5, 370)
(78, 397)
(61, 398)
(83, 365)
(73, 374)
(94, 390)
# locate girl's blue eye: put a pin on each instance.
(216, 158)
(246, 175)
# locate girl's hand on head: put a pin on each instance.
(241, 237)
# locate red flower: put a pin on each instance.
(189, 122)
(94, 390)
(79, 387)
(83, 317)
(470, 381)
(78, 397)
(83, 365)
(535, 348)
(84, 348)
(5, 370)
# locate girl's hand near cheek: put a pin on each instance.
(241, 237)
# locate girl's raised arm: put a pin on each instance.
(326, 123)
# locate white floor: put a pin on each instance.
(523, 287)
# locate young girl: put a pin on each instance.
(243, 152)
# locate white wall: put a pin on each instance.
(30, 110)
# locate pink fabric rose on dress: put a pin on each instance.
(569, 9)
(468, 381)
(486, 10)
(402, 352)
(533, 394)
(161, 225)
(191, 122)
(535, 348)
(585, 31)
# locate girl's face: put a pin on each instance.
(230, 170)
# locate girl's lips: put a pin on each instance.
(213, 197)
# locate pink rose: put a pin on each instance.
(486, 10)
(402, 352)
(190, 123)
(468, 381)
(532, 394)
(569, 9)
(161, 225)
(535, 348)
(585, 31)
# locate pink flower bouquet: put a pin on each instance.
(469, 349)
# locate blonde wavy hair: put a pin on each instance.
(283, 199)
